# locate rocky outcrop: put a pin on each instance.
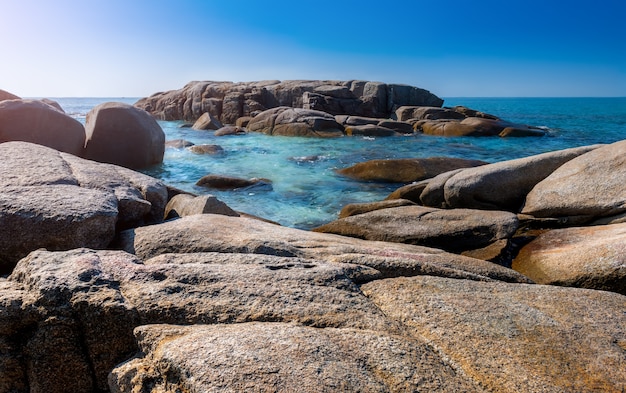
(58, 201)
(287, 121)
(514, 338)
(123, 135)
(592, 257)
(591, 185)
(452, 230)
(208, 358)
(229, 101)
(498, 186)
(405, 170)
(37, 122)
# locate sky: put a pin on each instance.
(482, 48)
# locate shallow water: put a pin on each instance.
(306, 192)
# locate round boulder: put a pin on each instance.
(123, 135)
(37, 122)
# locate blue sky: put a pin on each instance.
(453, 48)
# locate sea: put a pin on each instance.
(305, 190)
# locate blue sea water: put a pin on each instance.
(305, 190)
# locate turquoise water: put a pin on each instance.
(305, 190)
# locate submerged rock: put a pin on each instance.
(206, 149)
(178, 143)
(220, 182)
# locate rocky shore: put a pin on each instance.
(473, 277)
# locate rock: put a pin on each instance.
(405, 113)
(451, 230)
(228, 101)
(514, 338)
(206, 149)
(295, 122)
(229, 130)
(219, 182)
(216, 233)
(243, 121)
(36, 122)
(282, 357)
(354, 209)
(53, 104)
(467, 112)
(398, 126)
(476, 126)
(369, 130)
(59, 201)
(590, 185)
(183, 205)
(410, 192)
(123, 135)
(347, 120)
(514, 132)
(207, 122)
(94, 299)
(433, 194)
(405, 170)
(178, 144)
(591, 257)
(502, 185)
(5, 95)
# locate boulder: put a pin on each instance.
(591, 257)
(227, 101)
(217, 233)
(123, 135)
(369, 130)
(499, 186)
(282, 357)
(207, 122)
(410, 192)
(433, 192)
(178, 144)
(398, 126)
(5, 95)
(37, 122)
(452, 230)
(592, 185)
(229, 130)
(220, 182)
(516, 132)
(243, 121)
(405, 170)
(514, 338)
(206, 149)
(183, 205)
(476, 126)
(354, 209)
(405, 113)
(53, 104)
(295, 122)
(59, 201)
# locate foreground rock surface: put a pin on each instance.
(229, 101)
(244, 357)
(452, 230)
(567, 339)
(58, 201)
(592, 257)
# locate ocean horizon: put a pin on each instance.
(306, 192)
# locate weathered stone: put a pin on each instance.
(219, 182)
(229, 130)
(217, 233)
(405, 170)
(37, 122)
(295, 122)
(53, 104)
(283, 357)
(451, 230)
(206, 149)
(123, 135)
(183, 205)
(590, 257)
(354, 209)
(410, 192)
(515, 132)
(398, 126)
(243, 121)
(476, 126)
(207, 122)
(5, 95)
(405, 113)
(369, 130)
(590, 185)
(502, 185)
(178, 144)
(514, 338)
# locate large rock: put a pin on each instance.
(207, 122)
(37, 122)
(354, 209)
(92, 300)
(593, 185)
(515, 338)
(59, 201)
(295, 122)
(451, 230)
(123, 135)
(283, 357)
(229, 101)
(218, 233)
(5, 95)
(183, 205)
(220, 182)
(499, 186)
(475, 126)
(592, 257)
(405, 170)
